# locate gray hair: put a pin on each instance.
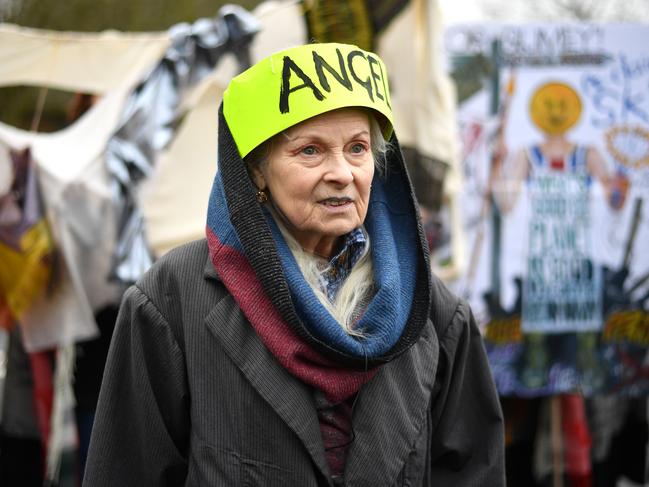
(354, 294)
(379, 146)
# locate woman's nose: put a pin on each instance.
(339, 170)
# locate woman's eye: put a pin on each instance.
(309, 150)
(357, 149)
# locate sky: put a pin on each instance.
(456, 11)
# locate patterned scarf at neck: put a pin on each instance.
(292, 352)
(335, 272)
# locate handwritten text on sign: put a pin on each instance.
(561, 292)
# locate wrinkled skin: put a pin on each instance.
(318, 177)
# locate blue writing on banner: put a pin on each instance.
(619, 96)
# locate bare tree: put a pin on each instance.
(569, 10)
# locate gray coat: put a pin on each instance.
(192, 397)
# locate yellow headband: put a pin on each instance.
(291, 86)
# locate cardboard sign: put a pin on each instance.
(556, 202)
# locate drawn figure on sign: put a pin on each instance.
(562, 286)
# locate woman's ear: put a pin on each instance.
(258, 178)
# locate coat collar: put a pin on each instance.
(390, 410)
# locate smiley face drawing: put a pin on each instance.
(555, 107)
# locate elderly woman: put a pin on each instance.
(304, 342)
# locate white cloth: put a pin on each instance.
(174, 199)
(76, 61)
(283, 26)
(79, 209)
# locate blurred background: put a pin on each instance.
(108, 116)
(149, 15)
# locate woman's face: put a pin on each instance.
(318, 177)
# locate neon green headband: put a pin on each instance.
(291, 86)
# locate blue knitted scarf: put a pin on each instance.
(395, 265)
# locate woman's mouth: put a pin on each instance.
(336, 201)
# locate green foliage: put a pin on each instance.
(469, 74)
(19, 106)
(123, 15)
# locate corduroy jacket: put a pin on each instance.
(191, 397)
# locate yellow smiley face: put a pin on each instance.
(555, 107)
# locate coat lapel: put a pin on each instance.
(390, 411)
(291, 399)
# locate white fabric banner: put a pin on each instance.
(76, 61)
